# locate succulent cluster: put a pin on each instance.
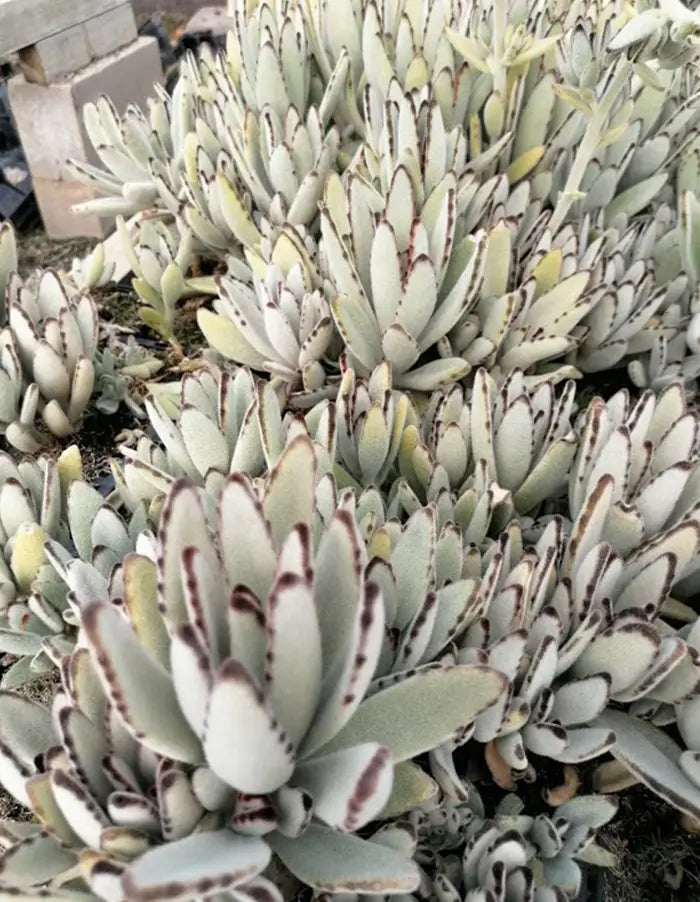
(50, 362)
(59, 539)
(46, 351)
(373, 547)
(437, 185)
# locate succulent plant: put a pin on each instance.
(520, 437)
(405, 548)
(650, 754)
(216, 424)
(400, 289)
(560, 651)
(466, 855)
(290, 757)
(160, 264)
(48, 516)
(93, 270)
(279, 321)
(46, 354)
(370, 419)
(511, 855)
(278, 159)
(116, 368)
(32, 510)
(141, 155)
(635, 475)
(535, 125)
(49, 357)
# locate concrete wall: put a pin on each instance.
(183, 7)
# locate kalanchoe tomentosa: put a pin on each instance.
(278, 321)
(58, 536)
(46, 353)
(510, 856)
(249, 743)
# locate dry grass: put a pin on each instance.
(658, 860)
(36, 250)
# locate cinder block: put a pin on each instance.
(55, 198)
(68, 51)
(24, 22)
(50, 125)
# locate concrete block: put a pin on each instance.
(50, 125)
(24, 22)
(72, 49)
(210, 18)
(55, 198)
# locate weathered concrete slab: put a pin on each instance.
(76, 47)
(24, 22)
(50, 125)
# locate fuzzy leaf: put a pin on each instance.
(422, 711)
(337, 862)
(125, 668)
(192, 867)
(653, 757)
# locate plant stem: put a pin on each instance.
(500, 24)
(588, 146)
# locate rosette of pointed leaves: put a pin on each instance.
(116, 368)
(636, 477)
(405, 132)
(268, 743)
(518, 437)
(650, 754)
(514, 856)
(46, 353)
(430, 596)
(214, 207)
(381, 42)
(400, 289)
(32, 510)
(631, 308)
(410, 138)
(160, 261)
(369, 422)
(47, 508)
(520, 317)
(141, 154)
(217, 424)
(260, 139)
(268, 57)
(278, 321)
(560, 646)
(283, 162)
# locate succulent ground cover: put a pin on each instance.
(392, 587)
